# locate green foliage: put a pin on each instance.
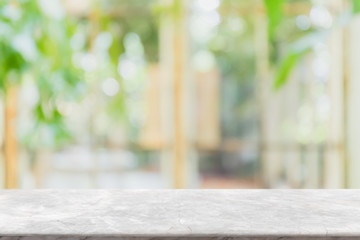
(299, 48)
(10, 60)
(35, 44)
(356, 6)
(173, 10)
(296, 51)
(178, 9)
(275, 14)
(285, 69)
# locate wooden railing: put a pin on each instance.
(180, 214)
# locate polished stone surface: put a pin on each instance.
(180, 214)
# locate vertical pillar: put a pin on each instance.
(167, 111)
(269, 108)
(262, 70)
(179, 147)
(335, 155)
(10, 141)
(352, 104)
(175, 74)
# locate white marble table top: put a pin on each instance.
(180, 214)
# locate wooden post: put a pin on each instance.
(179, 164)
(10, 142)
(334, 165)
(346, 68)
(352, 107)
(270, 160)
(166, 109)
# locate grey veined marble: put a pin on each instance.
(180, 214)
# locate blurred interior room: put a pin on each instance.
(153, 94)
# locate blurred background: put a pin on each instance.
(149, 94)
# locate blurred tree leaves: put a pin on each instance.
(285, 69)
(356, 6)
(31, 42)
(295, 52)
(300, 47)
(274, 10)
(275, 16)
(10, 60)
